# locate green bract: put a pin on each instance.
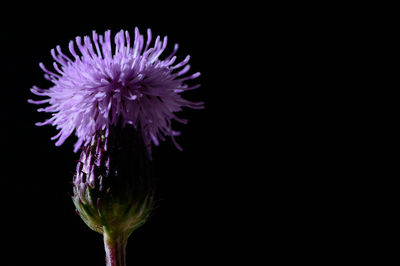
(113, 183)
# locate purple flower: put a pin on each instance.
(107, 84)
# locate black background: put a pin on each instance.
(272, 169)
(207, 193)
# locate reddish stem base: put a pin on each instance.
(115, 251)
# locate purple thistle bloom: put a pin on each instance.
(128, 83)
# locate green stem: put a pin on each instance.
(115, 250)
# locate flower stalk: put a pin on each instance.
(115, 248)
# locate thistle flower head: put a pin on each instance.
(106, 83)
